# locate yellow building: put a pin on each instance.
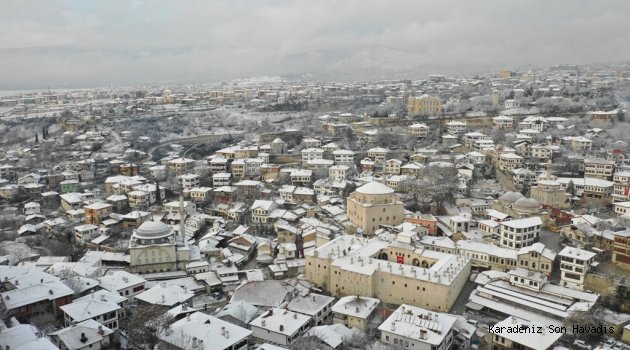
(395, 273)
(372, 205)
(424, 104)
(550, 193)
(97, 212)
(505, 74)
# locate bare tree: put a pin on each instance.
(145, 324)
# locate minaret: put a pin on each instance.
(182, 218)
(549, 169)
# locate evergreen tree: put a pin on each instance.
(36, 138)
(158, 195)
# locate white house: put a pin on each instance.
(411, 327)
(279, 326)
(202, 331)
(520, 233)
(574, 265)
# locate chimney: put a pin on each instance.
(83, 338)
(100, 330)
(295, 316)
(281, 328)
(194, 342)
(263, 322)
(227, 334)
(393, 328)
(41, 280)
(187, 317)
(163, 299)
(222, 330)
(200, 343)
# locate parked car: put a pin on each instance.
(609, 343)
(580, 344)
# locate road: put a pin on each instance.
(196, 138)
(460, 304)
(506, 182)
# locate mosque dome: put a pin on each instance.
(511, 197)
(153, 229)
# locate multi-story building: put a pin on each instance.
(317, 306)
(509, 162)
(261, 209)
(503, 122)
(424, 104)
(97, 212)
(393, 272)
(188, 181)
(621, 248)
(201, 331)
(344, 157)
(372, 205)
(221, 179)
(217, 164)
(588, 187)
(378, 154)
(355, 311)
(471, 138)
(29, 292)
(301, 177)
(599, 168)
(139, 199)
(455, 127)
(574, 265)
(621, 208)
(516, 234)
(392, 166)
(621, 176)
(523, 177)
(238, 169)
(96, 309)
(200, 194)
(338, 172)
(311, 154)
(279, 326)
(7, 171)
(581, 143)
(85, 233)
(543, 152)
(180, 166)
(411, 327)
(418, 130)
(621, 191)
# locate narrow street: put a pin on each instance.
(506, 182)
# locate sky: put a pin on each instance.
(83, 43)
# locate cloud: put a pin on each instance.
(98, 42)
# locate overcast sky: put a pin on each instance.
(65, 43)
